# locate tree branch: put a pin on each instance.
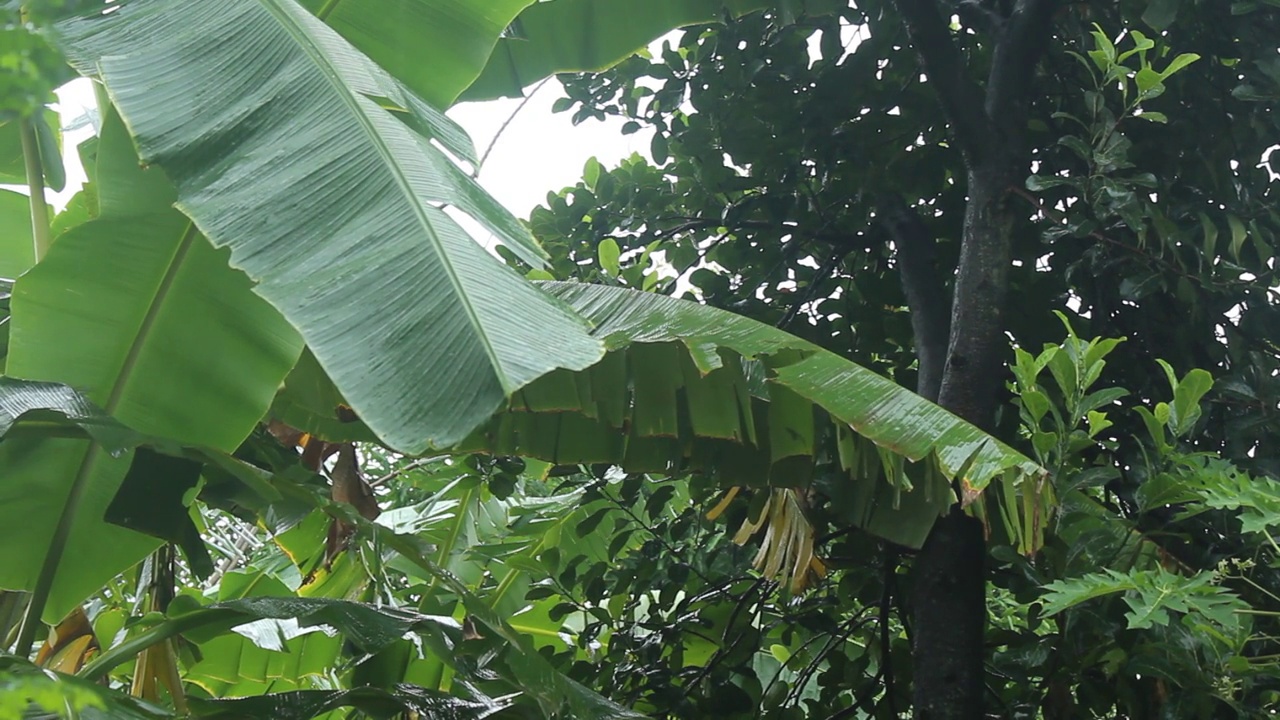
(1021, 41)
(926, 295)
(961, 98)
(810, 294)
(980, 15)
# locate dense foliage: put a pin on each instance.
(800, 169)
(278, 439)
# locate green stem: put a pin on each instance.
(450, 543)
(1256, 586)
(1271, 540)
(127, 650)
(512, 573)
(323, 12)
(35, 186)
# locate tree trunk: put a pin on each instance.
(949, 578)
(988, 124)
(949, 619)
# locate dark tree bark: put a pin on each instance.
(927, 299)
(988, 124)
(949, 620)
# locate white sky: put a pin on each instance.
(540, 151)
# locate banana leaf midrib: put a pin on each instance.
(389, 160)
(140, 338)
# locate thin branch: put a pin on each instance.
(420, 462)
(763, 585)
(961, 98)
(617, 502)
(695, 223)
(811, 292)
(834, 641)
(673, 283)
(868, 691)
(496, 136)
(1058, 218)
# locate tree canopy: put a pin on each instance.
(815, 173)
(924, 367)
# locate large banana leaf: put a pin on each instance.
(590, 35)
(317, 169)
(689, 387)
(435, 47)
(139, 312)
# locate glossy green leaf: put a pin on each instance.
(56, 403)
(608, 254)
(769, 434)
(580, 35)
(128, 308)
(591, 172)
(34, 693)
(258, 110)
(435, 47)
(1185, 410)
